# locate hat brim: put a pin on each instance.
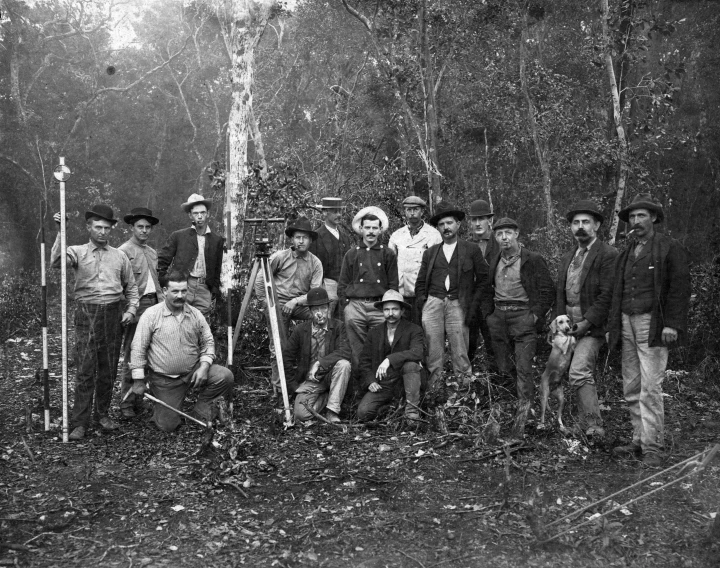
(435, 219)
(89, 214)
(506, 226)
(190, 204)
(379, 305)
(624, 214)
(571, 215)
(316, 304)
(481, 214)
(290, 231)
(130, 219)
(379, 213)
(321, 207)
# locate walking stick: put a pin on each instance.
(62, 174)
(43, 318)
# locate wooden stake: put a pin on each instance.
(63, 311)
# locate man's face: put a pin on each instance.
(448, 227)
(175, 293)
(641, 222)
(413, 215)
(370, 231)
(199, 216)
(141, 230)
(99, 231)
(507, 238)
(392, 311)
(301, 241)
(331, 216)
(481, 226)
(584, 228)
(320, 314)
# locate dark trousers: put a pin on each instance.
(98, 337)
(475, 333)
(409, 378)
(518, 328)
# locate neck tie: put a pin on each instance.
(578, 260)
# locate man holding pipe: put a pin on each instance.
(174, 346)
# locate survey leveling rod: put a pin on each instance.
(43, 317)
(62, 174)
(228, 245)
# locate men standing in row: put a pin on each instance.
(450, 286)
(368, 271)
(651, 298)
(409, 243)
(103, 274)
(330, 247)
(143, 260)
(197, 251)
(584, 292)
(523, 293)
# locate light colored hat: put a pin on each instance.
(196, 199)
(331, 203)
(392, 296)
(372, 210)
(414, 200)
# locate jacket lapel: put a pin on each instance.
(564, 265)
(592, 253)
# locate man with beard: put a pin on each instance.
(174, 344)
(390, 360)
(319, 354)
(450, 287)
(584, 292)
(651, 298)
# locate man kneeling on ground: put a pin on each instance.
(174, 343)
(390, 358)
(319, 353)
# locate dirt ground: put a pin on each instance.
(321, 495)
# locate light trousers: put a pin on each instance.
(326, 393)
(443, 319)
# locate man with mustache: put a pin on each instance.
(450, 287)
(651, 298)
(390, 360)
(173, 343)
(584, 293)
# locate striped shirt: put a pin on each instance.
(143, 260)
(293, 276)
(169, 344)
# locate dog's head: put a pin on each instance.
(561, 325)
(559, 334)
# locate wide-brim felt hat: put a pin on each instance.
(414, 201)
(379, 213)
(480, 208)
(585, 206)
(140, 213)
(643, 201)
(331, 203)
(103, 211)
(196, 199)
(392, 296)
(317, 297)
(446, 209)
(506, 223)
(300, 224)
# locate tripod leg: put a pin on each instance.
(245, 302)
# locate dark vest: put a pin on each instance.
(638, 282)
(440, 270)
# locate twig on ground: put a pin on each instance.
(236, 486)
(13, 546)
(27, 449)
(412, 558)
(320, 417)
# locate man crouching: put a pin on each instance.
(174, 343)
(391, 357)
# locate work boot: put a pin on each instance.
(128, 413)
(107, 423)
(78, 433)
(653, 459)
(627, 450)
(595, 432)
(332, 416)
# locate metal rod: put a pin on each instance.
(43, 318)
(180, 412)
(228, 244)
(63, 311)
(245, 302)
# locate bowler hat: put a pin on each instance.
(392, 296)
(446, 209)
(506, 223)
(371, 210)
(331, 203)
(317, 297)
(414, 200)
(101, 210)
(585, 206)
(196, 199)
(300, 224)
(140, 213)
(643, 201)
(480, 208)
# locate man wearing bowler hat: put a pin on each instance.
(103, 275)
(295, 271)
(332, 243)
(651, 298)
(409, 243)
(143, 259)
(391, 360)
(317, 358)
(481, 216)
(584, 293)
(197, 251)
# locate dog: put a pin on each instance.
(563, 346)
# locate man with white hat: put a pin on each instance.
(198, 252)
(368, 271)
(332, 243)
(409, 243)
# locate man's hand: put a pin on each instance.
(57, 218)
(138, 387)
(374, 387)
(127, 319)
(580, 329)
(199, 376)
(289, 307)
(312, 373)
(382, 370)
(669, 335)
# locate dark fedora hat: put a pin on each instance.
(300, 224)
(317, 297)
(140, 213)
(506, 223)
(643, 201)
(446, 209)
(101, 210)
(480, 208)
(585, 206)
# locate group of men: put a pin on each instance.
(375, 318)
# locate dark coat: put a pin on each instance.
(671, 300)
(492, 250)
(596, 285)
(296, 354)
(535, 278)
(408, 346)
(326, 248)
(472, 278)
(181, 251)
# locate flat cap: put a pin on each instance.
(506, 223)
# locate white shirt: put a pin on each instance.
(409, 250)
(448, 251)
(334, 232)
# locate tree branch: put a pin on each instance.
(361, 17)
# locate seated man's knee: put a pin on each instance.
(365, 412)
(301, 411)
(167, 422)
(411, 367)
